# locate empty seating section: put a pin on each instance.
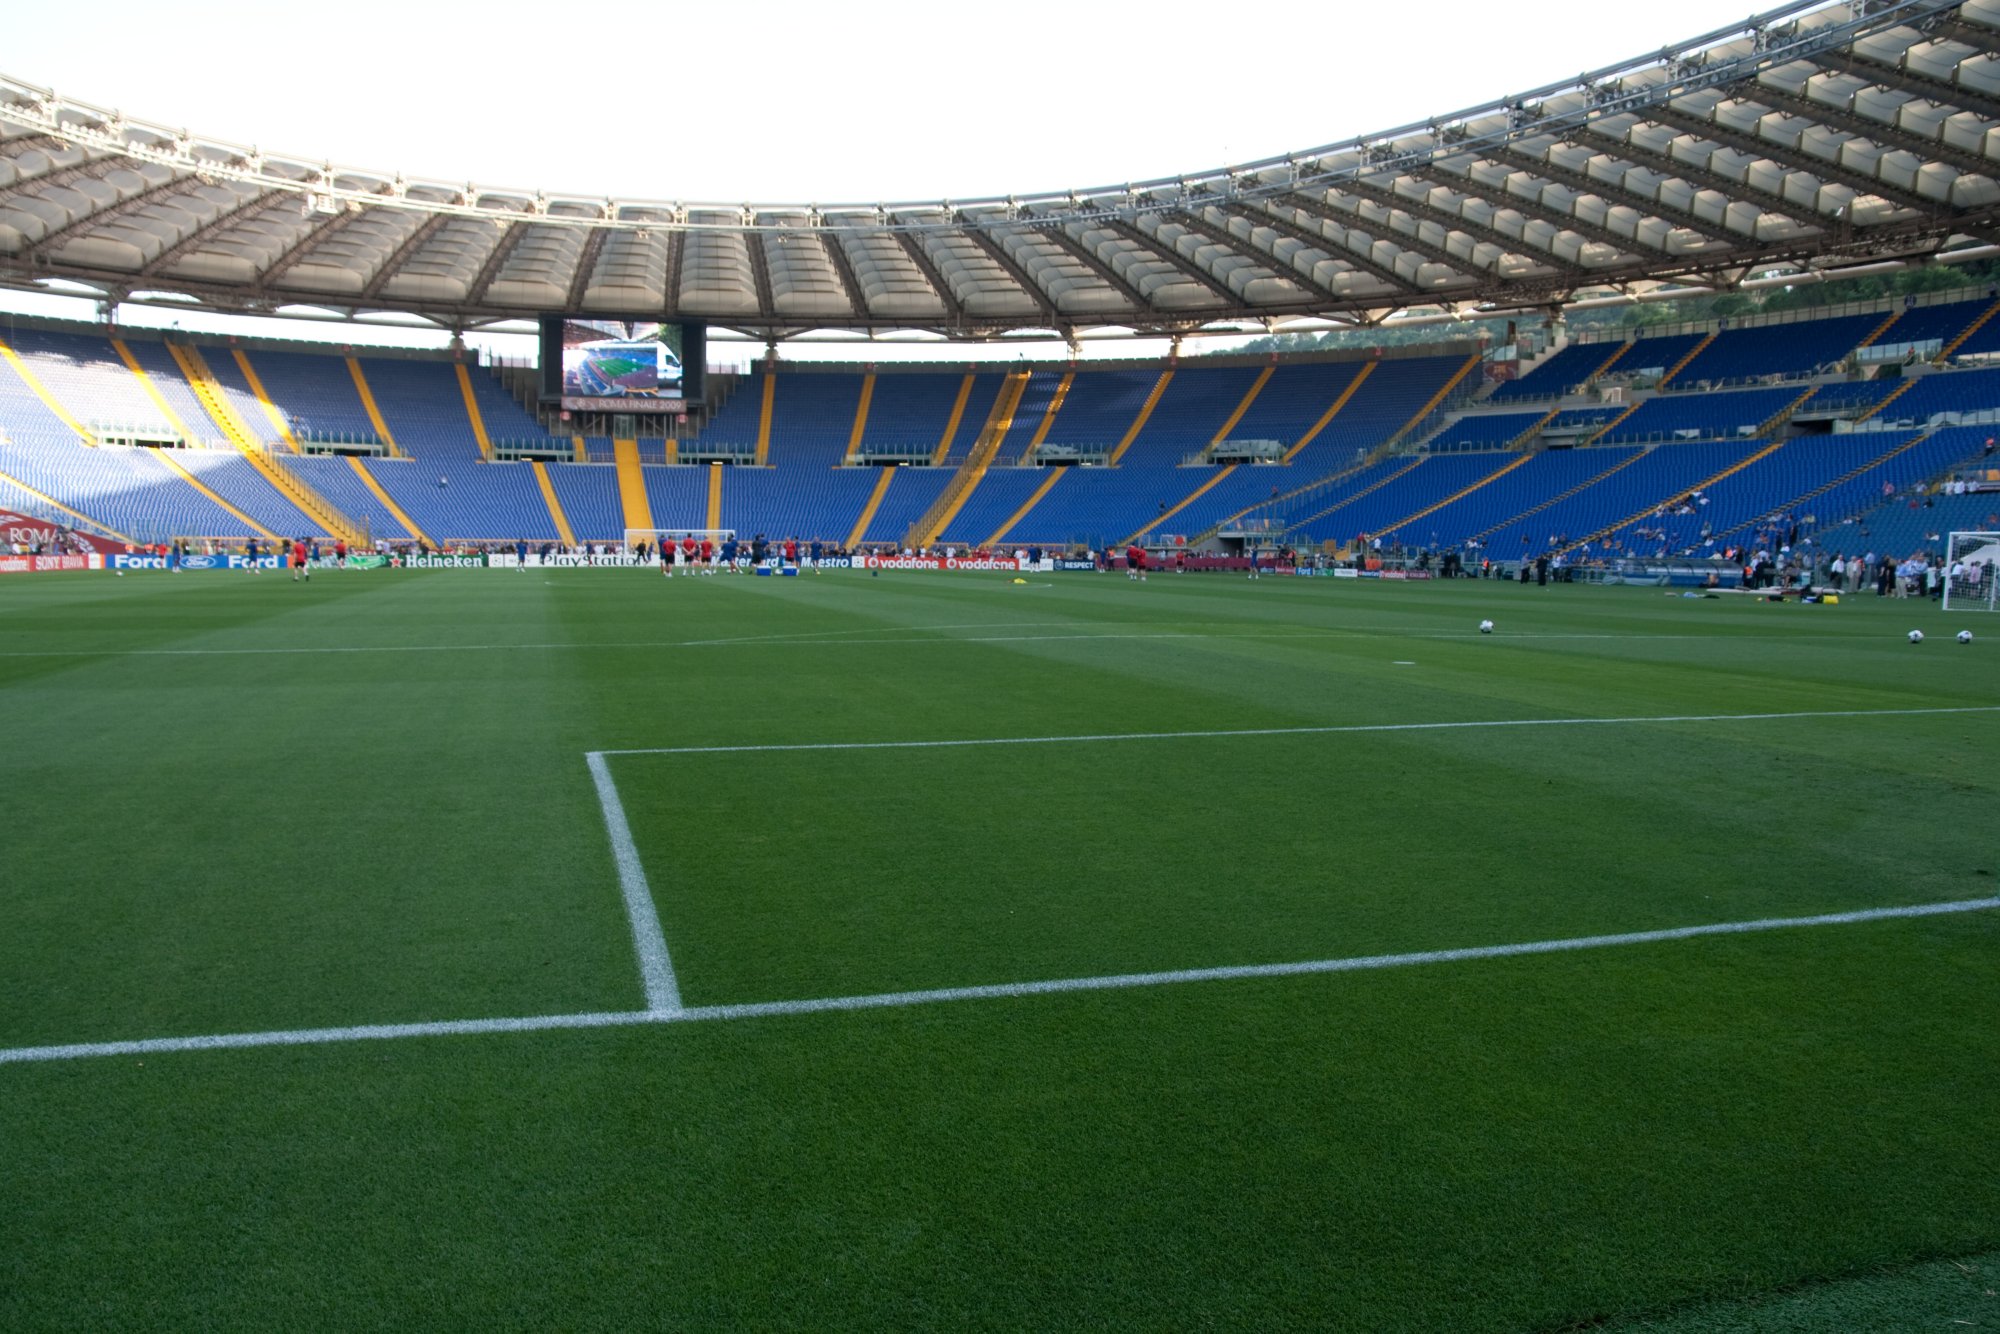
(1548, 474)
(1983, 339)
(993, 502)
(449, 502)
(678, 496)
(1790, 351)
(1569, 368)
(1652, 357)
(1099, 506)
(735, 422)
(812, 417)
(1295, 397)
(1394, 392)
(1671, 417)
(908, 412)
(1486, 430)
(24, 417)
(809, 504)
(1926, 330)
(1036, 396)
(236, 389)
(1101, 407)
(1849, 398)
(1954, 392)
(423, 406)
(236, 480)
(84, 374)
(1244, 487)
(334, 479)
(165, 374)
(1654, 477)
(1438, 476)
(588, 494)
(1518, 502)
(128, 490)
(316, 394)
(1195, 405)
(909, 496)
(505, 418)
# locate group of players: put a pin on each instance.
(705, 556)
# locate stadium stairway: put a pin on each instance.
(41, 391)
(952, 499)
(859, 430)
(873, 503)
(1048, 415)
(1333, 411)
(1874, 462)
(168, 461)
(1218, 476)
(1946, 352)
(1684, 362)
(253, 383)
(712, 514)
(1365, 492)
(373, 409)
(1152, 400)
(549, 498)
(1509, 466)
(632, 497)
(1630, 457)
(1014, 520)
(764, 409)
(472, 412)
(194, 368)
(1678, 496)
(387, 502)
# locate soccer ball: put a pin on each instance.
(1916, 636)
(1486, 627)
(1965, 636)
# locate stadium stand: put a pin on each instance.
(1514, 480)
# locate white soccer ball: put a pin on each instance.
(1486, 627)
(1965, 636)
(1916, 636)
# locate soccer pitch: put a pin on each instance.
(581, 948)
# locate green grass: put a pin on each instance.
(391, 819)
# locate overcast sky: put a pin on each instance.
(813, 103)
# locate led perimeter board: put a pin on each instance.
(604, 365)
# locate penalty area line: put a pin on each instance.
(943, 995)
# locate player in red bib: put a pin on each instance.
(300, 570)
(1135, 562)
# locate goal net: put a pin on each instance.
(656, 540)
(1971, 561)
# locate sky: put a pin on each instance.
(810, 103)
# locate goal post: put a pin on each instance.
(1971, 564)
(652, 538)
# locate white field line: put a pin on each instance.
(1301, 731)
(941, 995)
(656, 968)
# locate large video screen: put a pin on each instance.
(604, 365)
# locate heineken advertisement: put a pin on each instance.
(371, 561)
(438, 562)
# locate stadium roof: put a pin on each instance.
(1816, 135)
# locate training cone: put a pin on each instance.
(1020, 581)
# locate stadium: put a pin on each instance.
(1393, 736)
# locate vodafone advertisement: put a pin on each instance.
(936, 563)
